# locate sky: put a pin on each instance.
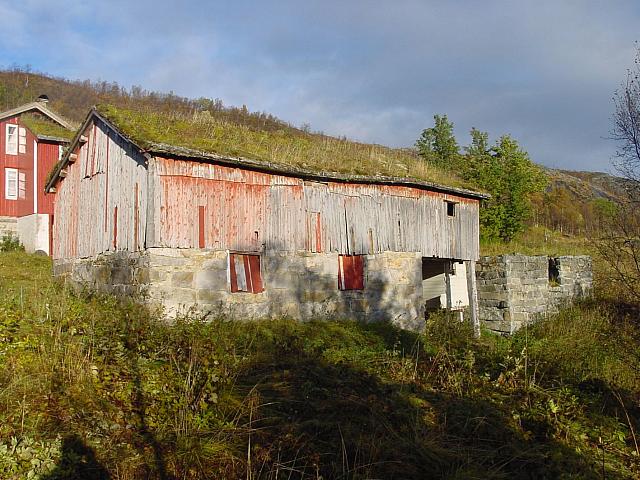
(543, 71)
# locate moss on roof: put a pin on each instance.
(290, 148)
(47, 128)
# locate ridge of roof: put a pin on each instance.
(27, 107)
(154, 148)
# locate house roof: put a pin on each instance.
(46, 129)
(203, 138)
(42, 108)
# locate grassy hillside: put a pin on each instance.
(98, 389)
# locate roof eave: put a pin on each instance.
(93, 113)
(50, 138)
(267, 167)
(41, 108)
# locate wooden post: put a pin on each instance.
(447, 283)
(473, 296)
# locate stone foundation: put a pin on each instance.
(119, 273)
(514, 290)
(298, 285)
(8, 226)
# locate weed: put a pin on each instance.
(87, 381)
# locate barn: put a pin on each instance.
(190, 223)
(31, 142)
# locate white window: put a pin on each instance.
(22, 185)
(11, 140)
(10, 183)
(22, 140)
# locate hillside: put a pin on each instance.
(93, 388)
(207, 125)
(578, 203)
(587, 186)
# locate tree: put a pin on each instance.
(438, 144)
(619, 243)
(506, 172)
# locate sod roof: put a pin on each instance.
(46, 129)
(289, 150)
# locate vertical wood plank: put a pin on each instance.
(201, 227)
(473, 296)
(447, 283)
(115, 228)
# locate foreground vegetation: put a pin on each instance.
(91, 388)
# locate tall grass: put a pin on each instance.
(97, 388)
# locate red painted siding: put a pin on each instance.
(250, 211)
(48, 154)
(23, 162)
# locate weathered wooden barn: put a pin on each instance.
(251, 238)
(32, 140)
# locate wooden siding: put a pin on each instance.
(48, 154)
(23, 162)
(248, 211)
(101, 204)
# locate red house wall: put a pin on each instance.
(48, 153)
(23, 162)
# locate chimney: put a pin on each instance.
(43, 99)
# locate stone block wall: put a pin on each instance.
(8, 226)
(119, 273)
(514, 290)
(298, 285)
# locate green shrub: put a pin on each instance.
(10, 243)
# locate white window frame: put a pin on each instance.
(8, 194)
(11, 148)
(22, 185)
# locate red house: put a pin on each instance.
(32, 138)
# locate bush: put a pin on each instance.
(10, 243)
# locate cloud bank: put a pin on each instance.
(374, 71)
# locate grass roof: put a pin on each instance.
(287, 147)
(46, 128)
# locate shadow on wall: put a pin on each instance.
(308, 287)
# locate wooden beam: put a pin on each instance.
(447, 283)
(73, 157)
(83, 139)
(63, 173)
(473, 296)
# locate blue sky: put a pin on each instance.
(542, 71)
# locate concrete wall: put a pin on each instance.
(514, 290)
(33, 231)
(301, 285)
